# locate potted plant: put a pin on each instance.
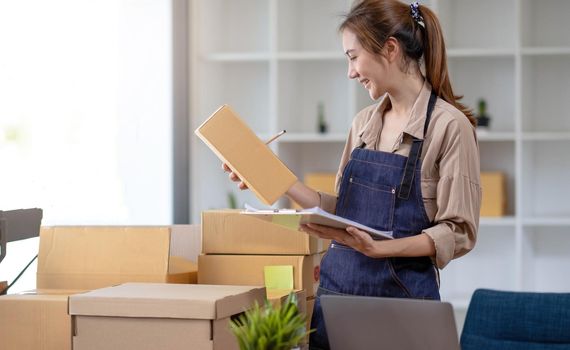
(271, 327)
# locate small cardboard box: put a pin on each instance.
(138, 316)
(323, 182)
(494, 201)
(229, 232)
(91, 257)
(229, 137)
(35, 320)
(250, 269)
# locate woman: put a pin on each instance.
(410, 164)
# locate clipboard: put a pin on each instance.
(293, 219)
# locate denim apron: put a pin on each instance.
(381, 190)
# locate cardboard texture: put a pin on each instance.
(88, 258)
(494, 201)
(229, 137)
(186, 241)
(249, 269)
(229, 232)
(181, 270)
(35, 320)
(159, 316)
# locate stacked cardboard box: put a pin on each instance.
(242, 250)
(137, 316)
(75, 259)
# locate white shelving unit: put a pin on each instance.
(275, 60)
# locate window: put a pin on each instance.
(86, 113)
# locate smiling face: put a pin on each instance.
(371, 70)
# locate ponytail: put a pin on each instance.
(435, 61)
(419, 33)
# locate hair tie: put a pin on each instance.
(416, 15)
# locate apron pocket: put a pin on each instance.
(397, 279)
(369, 203)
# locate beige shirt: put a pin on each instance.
(450, 169)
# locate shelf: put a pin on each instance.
(483, 135)
(499, 221)
(275, 62)
(545, 82)
(231, 26)
(546, 136)
(491, 79)
(545, 51)
(312, 137)
(546, 221)
(310, 55)
(476, 52)
(237, 57)
(478, 24)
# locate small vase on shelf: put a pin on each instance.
(483, 120)
(322, 126)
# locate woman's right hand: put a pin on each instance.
(233, 176)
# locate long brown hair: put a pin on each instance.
(374, 21)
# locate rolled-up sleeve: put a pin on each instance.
(458, 196)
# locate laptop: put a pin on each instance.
(356, 322)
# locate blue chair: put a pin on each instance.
(499, 320)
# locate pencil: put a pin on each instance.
(275, 137)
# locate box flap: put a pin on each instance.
(166, 301)
(93, 257)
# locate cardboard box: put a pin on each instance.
(35, 320)
(88, 258)
(494, 201)
(323, 182)
(251, 159)
(229, 232)
(249, 269)
(138, 316)
(182, 270)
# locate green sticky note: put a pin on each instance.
(289, 221)
(279, 277)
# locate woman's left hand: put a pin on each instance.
(352, 237)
